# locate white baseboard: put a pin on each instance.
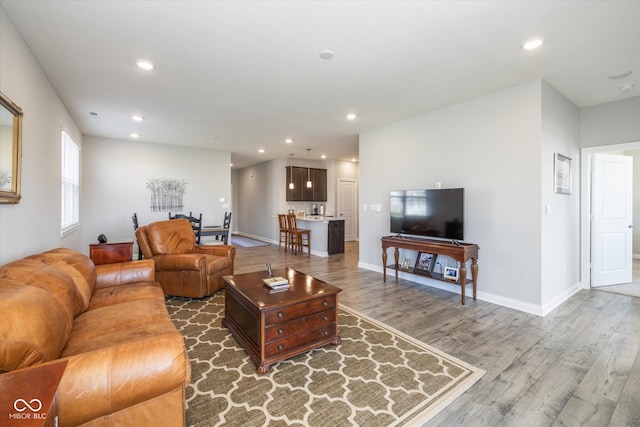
(548, 307)
(536, 309)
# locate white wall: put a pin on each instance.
(611, 123)
(491, 146)
(33, 225)
(560, 229)
(260, 192)
(115, 173)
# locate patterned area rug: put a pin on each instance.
(376, 377)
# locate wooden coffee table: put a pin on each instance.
(275, 326)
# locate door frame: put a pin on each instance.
(586, 159)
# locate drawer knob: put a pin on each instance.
(325, 318)
(280, 347)
(280, 314)
(280, 331)
(325, 303)
(325, 333)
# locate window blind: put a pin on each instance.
(70, 188)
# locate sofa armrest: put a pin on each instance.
(102, 382)
(122, 273)
(219, 250)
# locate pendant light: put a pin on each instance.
(291, 185)
(309, 184)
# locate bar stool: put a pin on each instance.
(296, 236)
(284, 231)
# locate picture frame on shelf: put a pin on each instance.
(425, 262)
(451, 273)
(405, 264)
(562, 174)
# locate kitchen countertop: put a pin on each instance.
(319, 218)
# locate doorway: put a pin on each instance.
(348, 207)
(585, 208)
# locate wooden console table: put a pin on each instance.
(461, 253)
(107, 253)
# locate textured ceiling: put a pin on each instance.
(240, 76)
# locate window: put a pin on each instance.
(70, 193)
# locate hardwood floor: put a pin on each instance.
(578, 366)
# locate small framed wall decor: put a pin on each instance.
(425, 262)
(405, 264)
(562, 174)
(451, 273)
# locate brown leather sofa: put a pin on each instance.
(127, 363)
(183, 268)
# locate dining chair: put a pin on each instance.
(134, 218)
(297, 236)
(226, 224)
(284, 231)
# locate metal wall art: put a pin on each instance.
(166, 194)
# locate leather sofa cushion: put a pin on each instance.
(122, 375)
(33, 327)
(52, 279)
(78, 266)
(113, 325)
(118, 294)
(171, 237)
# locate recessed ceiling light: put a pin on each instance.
(135, 135)
(353, 160)
(324, 156)
(136, 118)
(145, 65)
(627, 87)
(327, 54)
(288, 140)
(261, 150)
(620, 75)
(231, 164)
(351, 116)
(533, 44)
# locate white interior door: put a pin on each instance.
(612, 221)
(348, 207)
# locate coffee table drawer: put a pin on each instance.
(296, 326)
(296, 341)
(296, 310)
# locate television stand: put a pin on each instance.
(461, 252)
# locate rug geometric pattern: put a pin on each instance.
(377, 376)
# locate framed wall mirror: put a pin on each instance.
(10, 150)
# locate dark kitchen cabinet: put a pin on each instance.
(300, 193)
(335, 237)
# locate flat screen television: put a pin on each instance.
(430, 213)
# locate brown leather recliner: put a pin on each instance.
(183, 268)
